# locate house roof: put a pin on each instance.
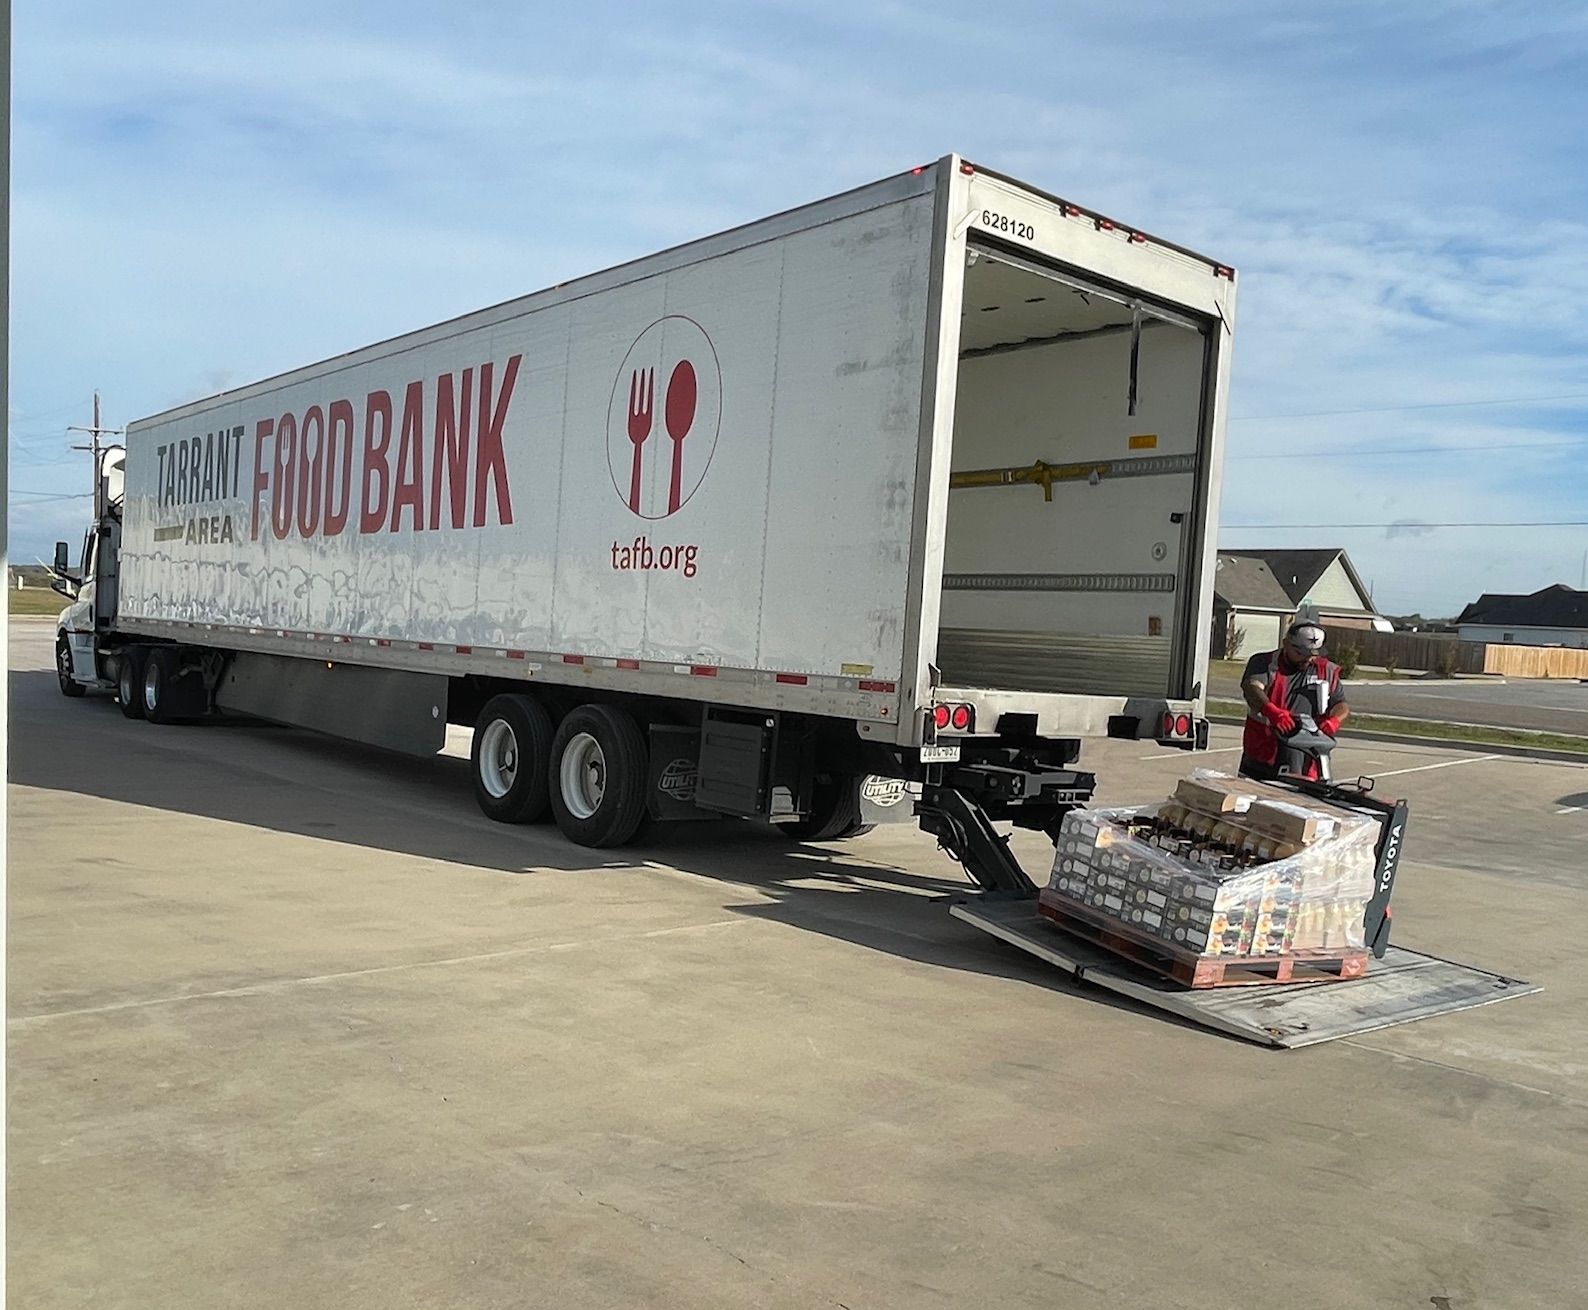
(1559, 606)
(1245, 583)
(1298, 571)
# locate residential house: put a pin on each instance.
(1553, 616)
(1256, 593)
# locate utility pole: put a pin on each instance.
(95, 433)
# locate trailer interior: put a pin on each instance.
(1077, 448)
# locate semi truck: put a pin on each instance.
(909, 492)
(905, 495)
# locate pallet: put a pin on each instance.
(1199, 971)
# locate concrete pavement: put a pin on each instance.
(291, 1024)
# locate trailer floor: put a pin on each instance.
(291, 1025)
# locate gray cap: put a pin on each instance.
(1305, 636)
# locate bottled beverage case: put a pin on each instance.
(1224, 867)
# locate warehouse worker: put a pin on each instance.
(1296, 679)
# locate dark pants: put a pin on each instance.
(1257, 770)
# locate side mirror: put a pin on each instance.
(62, 561)
(65, 586)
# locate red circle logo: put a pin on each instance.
(664, 417)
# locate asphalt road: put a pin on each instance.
(292, 1025)
(1556, 705)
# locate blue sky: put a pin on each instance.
(203, 196)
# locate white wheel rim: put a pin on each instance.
(583, 775)
(498, 758)
(151, 687)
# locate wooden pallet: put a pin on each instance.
(1198, 971)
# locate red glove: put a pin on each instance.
(1279, 718)
(1329, 726)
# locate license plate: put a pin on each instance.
(939, 754)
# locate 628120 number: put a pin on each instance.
(1003, 223)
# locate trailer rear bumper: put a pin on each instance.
(1059, 714)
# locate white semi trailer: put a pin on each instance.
(909, 492)
(913, 484)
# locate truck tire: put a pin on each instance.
(598, 776)
(129, 682)
(511, 759)
(835, 811)
(169, 695)
(63, 670)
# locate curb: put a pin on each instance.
(1579, 758)
(1471, 680)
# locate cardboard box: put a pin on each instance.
(1300, 825)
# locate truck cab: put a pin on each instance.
(83, 655)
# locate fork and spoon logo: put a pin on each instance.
(669, 431)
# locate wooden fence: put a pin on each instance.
(1535, 661)
(1420, 651)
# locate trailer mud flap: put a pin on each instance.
(1403, 986)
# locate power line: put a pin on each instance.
(1399, 409)
(52, 495)
(1415, 450)
(1407, 523)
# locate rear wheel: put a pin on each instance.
(63, 669)
(129, 682)
(834, 813)
(598, 776)
(169, 694)
(511, 759)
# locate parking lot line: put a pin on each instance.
(1443, 764)
(271, 985)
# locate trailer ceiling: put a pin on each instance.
(1007, 304)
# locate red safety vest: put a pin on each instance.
(1312, 689)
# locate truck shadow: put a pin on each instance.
(287, 780)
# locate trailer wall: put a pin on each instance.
(332, 502)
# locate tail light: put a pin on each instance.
(1175, 726)
(961, 718)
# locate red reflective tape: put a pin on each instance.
(425, 645)
(793, 679)
(878, 686)
(628, 664)
(515, 654)
(703, 670)
(464, 650)
(573, 659)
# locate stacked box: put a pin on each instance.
(1306, 890)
